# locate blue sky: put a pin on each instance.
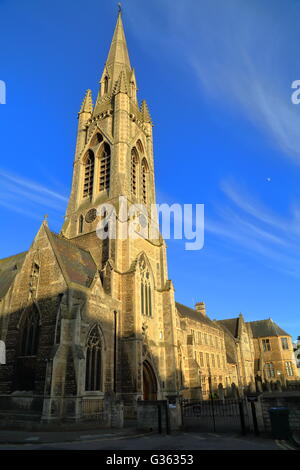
(217, 78)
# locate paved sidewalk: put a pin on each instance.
(37, 437)
(129, 438)
(181, 441)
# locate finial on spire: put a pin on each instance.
(87, 104)
(120, 8)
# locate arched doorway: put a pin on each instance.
(149, 382)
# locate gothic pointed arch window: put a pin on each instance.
(89, 166)
(134, 172)
(146, 289)
(97, 139)
(30, 332)
(140, 147)
(27, 350)
(93, 361)
(105, 168)
(144, 182)
(57, 332)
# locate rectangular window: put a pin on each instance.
(216, 342)
(219, 362)
(205, 338)
(201, 360)
(200, 338)
(289, 368)
(207, 360)
(266, 345)
(210, 340)
(284, 343)
(213, 360)
(269, 369)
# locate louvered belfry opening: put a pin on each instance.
(89, 174)
(134, 165)
(144, 181)
(105, 168)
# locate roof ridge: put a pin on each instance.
(70, 242)
(13, 256)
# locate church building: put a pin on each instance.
(85, 318)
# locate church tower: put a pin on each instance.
(114, 151)
(114, 162)
(89, 320)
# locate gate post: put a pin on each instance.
(252, 399)
(256, 431)
(242, 417)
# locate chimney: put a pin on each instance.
(200, 307)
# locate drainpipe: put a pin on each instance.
(115, 352)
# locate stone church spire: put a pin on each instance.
(118, 52)
(116, 65)
(114, 151)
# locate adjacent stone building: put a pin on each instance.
(273, 352)
(89, 319)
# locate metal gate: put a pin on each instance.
(229, 415)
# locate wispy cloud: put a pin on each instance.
(29, 198)
(242, 53)
(251, 226)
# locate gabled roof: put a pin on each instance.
(194, 315)
(265, 328)
(76, 262)
(232, 325)
(230, 357)
(9, 267)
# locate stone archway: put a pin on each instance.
(149, 382)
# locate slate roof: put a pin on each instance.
(232, 325)
(265, 328)
(230, 357)
(193, 314)
(9, 267)
(77, 262)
